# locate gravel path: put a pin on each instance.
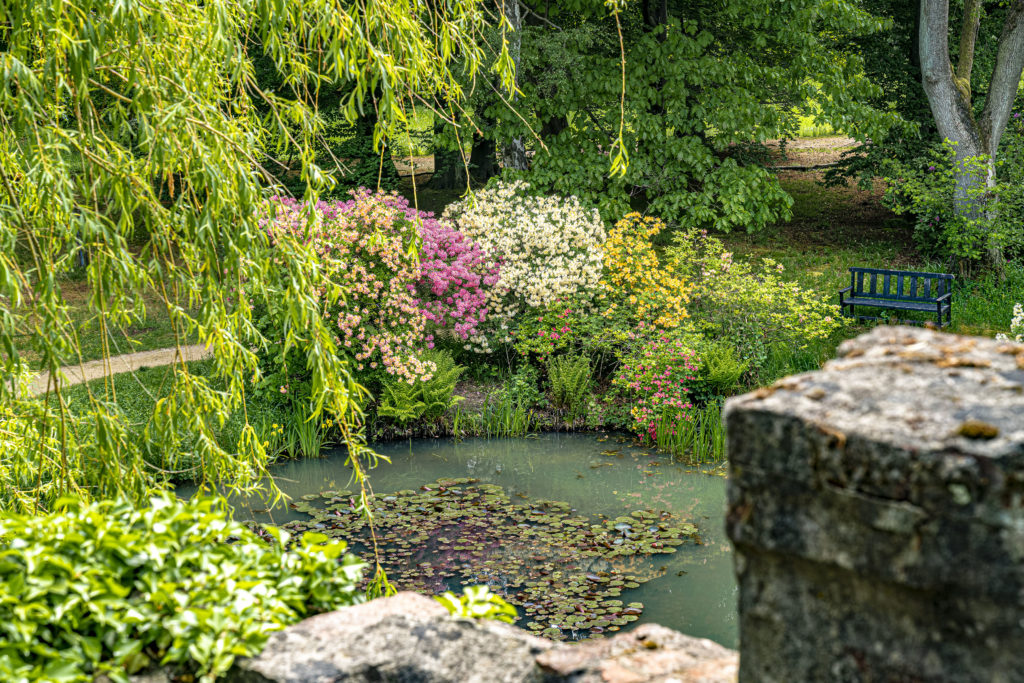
(129, 362)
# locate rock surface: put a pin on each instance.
(408, 638)
(877, 510)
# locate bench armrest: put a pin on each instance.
(846, 289)
(944, 297)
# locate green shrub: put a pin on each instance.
(111, 589)
(926, 188)
(750, 307)
(718, 374)
(427, 398)
(522, 388)
(478, 602)
(570, 382)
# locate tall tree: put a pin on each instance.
(706, 81)
(949, 95)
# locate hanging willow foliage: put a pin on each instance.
(133, 122)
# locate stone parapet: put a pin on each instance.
(876, 511)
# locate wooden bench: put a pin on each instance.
(898, 290)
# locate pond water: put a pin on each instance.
(600, 478)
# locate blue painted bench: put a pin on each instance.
(898, 290)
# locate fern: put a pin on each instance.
(429, 399)
(570, 382)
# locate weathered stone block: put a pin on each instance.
(876, 511)
(411, 639)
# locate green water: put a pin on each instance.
(695, 590)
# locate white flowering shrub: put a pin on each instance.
(548, 248)
(1016, 326)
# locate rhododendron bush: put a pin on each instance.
(455, 275)
(548, 247)
(636, 282)
(368, 246)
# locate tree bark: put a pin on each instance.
(513, 152)
(968, 36)
(950, 102)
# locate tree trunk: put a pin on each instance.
(513, 152)
(950, 100)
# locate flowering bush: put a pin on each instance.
(547, 247)
(656, 377)
(1016, 326)
(367, 245)
(636, 280)
(455, 275)
(751, 307)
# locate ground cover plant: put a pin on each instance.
(176, 583)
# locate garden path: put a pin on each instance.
(128, 362)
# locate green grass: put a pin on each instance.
(155, 332)
(833, 229)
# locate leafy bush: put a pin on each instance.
(478, 602)
(428, 397)
(548, 247)
(719, 374)
(522, 388)
(749, 307)
(573, 325)
(111, 589)
(636, 282)
(656, 378)
(570, 382)
(925, 187)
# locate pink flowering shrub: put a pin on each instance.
(367, 247)
(455, 276)
(656, 377)
(406, 276)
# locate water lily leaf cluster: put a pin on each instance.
(567, 573)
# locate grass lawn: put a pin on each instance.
(155, 332)
(833, 229)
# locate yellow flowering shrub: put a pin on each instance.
(650, 289)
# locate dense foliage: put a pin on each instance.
(706, 84)
(925, 187)
(135, 134)
(109, 588)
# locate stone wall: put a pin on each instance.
(876, 511)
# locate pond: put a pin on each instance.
(581, 497)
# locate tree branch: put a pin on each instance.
(545, 20)
(968, 36)
(1005, 76)
(951, 112)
